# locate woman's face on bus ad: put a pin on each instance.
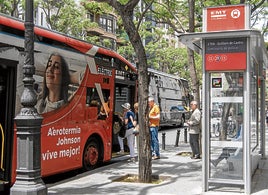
(53, 72)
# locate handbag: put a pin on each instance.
(122, 131)
(136, 130)
(116, 127)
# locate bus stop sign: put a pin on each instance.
(235, 17)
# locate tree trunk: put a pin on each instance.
(191, 60)
(145, 160)
(126, 12)
(193, 75)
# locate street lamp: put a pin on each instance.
(28, 123)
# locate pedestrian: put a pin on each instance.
(194, 129)
(121, 144)
(136, 124)
(136, 118)
(128, 118)
(121, 133)
(267, 117)
(154, 121)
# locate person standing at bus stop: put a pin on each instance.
(128, 118)
(136, 124)
(194, 129)
(55, 84)
(136, 119)
(154, 121)
(266, 118)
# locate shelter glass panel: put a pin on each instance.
(226, 125)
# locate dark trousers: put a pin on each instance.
(194, 143)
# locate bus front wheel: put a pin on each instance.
(91, 154)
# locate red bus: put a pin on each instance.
(73, 126)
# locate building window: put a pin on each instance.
(103, 23)
(90, 16)
(107, 23)
(109, 26)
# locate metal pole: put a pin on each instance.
(177, 137)
(262, 107)
(163, 140)
(185, 134)
(28, 123)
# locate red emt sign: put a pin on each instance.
(234, 17)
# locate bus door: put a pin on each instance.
(7, 105)
(125, 88)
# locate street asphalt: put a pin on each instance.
(179, 175)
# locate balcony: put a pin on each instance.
(96, 31)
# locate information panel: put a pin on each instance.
(226, 54)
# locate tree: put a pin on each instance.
(126, 10)
(180, 21)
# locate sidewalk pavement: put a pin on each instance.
(185, 178)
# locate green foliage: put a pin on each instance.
(266, 45)
(65, 16)
(5, 6)
(162, 49)
(95, 40)
(127, 51)
(10, 7)
(123, 2)
(167, 12)
(95, 7)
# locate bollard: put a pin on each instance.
(163, 141)
(185, 134)
(177, 137)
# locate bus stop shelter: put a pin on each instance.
(234, 71)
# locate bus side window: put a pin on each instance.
(92, 98)
(88, 97)
(92, 104)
